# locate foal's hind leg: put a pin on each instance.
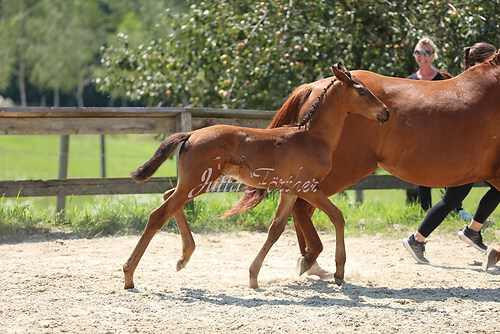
(157, 218)
(188, 244)
(275, 230)
(319, 200)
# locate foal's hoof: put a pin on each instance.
(129, 280)
(179, 265)
(253, 283)
(129, 283)
(338, 280)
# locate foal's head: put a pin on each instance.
(357, 98)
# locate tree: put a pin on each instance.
(250, 54)
(135, 22)
(7, 56)
(16, 37)
(49, 44)
(69, 37)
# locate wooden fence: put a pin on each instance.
(155, 185)
(104, 121)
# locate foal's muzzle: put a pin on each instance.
(383, 117)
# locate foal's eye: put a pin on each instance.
(362, 91)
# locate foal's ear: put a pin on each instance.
(341, 73)
(341, 67)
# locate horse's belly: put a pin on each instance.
(442, 174)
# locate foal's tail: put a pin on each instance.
(288, 114)
(165, 151)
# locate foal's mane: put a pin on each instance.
(311, 111)
(289, 111)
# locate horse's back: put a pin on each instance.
(441, 133)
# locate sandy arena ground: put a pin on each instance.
(76, 286)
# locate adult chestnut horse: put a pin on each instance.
(291, 159)
(441, 134)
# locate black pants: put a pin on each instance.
(425, 199)
(487, 205)
(452, 198)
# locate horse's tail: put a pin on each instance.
(251, 197)
(163, 152)
(288, 114)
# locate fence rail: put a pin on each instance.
(156, 185)
(75, 121)
(106, 121)
(103, 121)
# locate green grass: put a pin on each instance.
(119, 215)
(383, 212)
(37, 157)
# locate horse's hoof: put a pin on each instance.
(338, 280)
(129, 285)
(302, 265)
(179, 265)
(490, 258)
(129, 277)
(253, 283)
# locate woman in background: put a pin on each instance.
(425, 52)
(471, 234)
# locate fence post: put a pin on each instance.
(103, 156)
(183, 121)
(359, 196)
(63, 172)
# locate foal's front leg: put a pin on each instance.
(275, 230)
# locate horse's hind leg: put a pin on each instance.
(188, 244)
(285, 204)
(319, 200)
(311, 245)
(157, 218)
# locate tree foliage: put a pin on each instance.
(66, 46)
(239, 54)
(52, 45)
(250, 54)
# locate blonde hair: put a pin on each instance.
(427, 41)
